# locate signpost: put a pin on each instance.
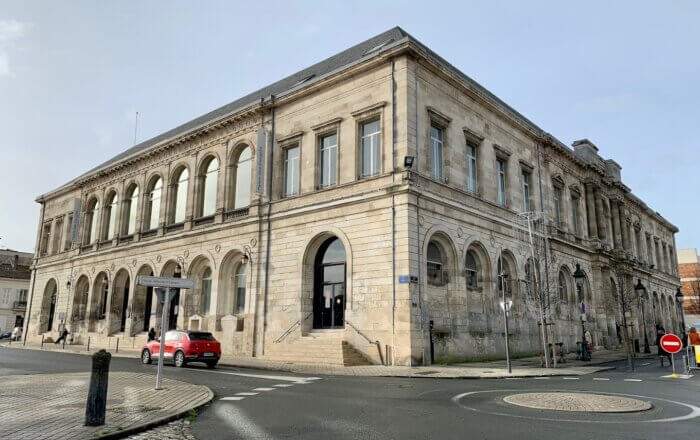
(162, 286)
(671, 344)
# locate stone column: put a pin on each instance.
(600, 214)
(591, 212)
(616, 223)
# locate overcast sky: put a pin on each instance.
(72, 74)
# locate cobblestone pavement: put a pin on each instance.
(581, 402)
(177, 430)
(52, 406)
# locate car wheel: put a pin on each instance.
(179, 359)
(146, 356)
(212, 364)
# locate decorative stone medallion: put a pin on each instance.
(133, 262)
(158, 258)
(421, 220)
(460, 232)
(93, 269)
(217, 248)
(253, 242)
(186, 253)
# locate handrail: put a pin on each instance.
(292, 327)
(379, 346)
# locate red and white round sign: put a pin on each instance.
(671, 343)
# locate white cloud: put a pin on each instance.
(10, 32)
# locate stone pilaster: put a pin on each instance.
(600, 214)
(616, 223)
(591, 212)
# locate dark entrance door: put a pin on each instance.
(329, 285)
(125, 304)
(52, 311)
(147, 309)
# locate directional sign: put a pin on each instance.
(177, 283)
(671, 343)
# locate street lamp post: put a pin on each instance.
(579, 276)
(641, 291)
(679, 310)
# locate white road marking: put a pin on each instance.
(264, 389)
(600, 378)
(679, 376)
(644, 365)
(247, 394)
(570, 378)
(513, 378)
(542, 378)
(632, 380)
(232, 398)
(262, 376)
(284, 385)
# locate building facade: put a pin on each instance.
(380, 195)
(689, 270)
(15, 274)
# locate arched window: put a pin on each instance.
(505, 277)
(240, 283)
(152, 214)
(180, 183)
(242, 171)
(472, 270)
(435, 265)
(206, 291)
(110, 216)
(92, 215)
(207, 191)
(563, 287)
(531, 277)
(130, 209)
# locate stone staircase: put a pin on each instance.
(322, 347)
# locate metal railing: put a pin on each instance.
(291, 328)
(377, 343)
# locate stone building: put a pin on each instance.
(14, 287)
(369, 204)
(689, 271)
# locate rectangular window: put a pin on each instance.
(526, 191)
(291, 171)
(45, 237)
(6, 295)
(471, 169)
(436, 144)
(371, 148)
(56, 247)
(574, 214)
(329, 159)
(22, 297)
(501, 165)
(557, 205)
(67, 242)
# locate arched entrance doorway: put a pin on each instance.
(120, 302)
(80, 299)
(49, 305)
(174, 270)
(329, 285)
(142, 304)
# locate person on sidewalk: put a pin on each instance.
(64, 333)
(660, 351)
(151, 334)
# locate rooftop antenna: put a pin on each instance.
(136, 126)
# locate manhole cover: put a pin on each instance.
(581, 402)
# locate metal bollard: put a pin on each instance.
(42, 342)
(88, 346)
(97, 395)
(117, 350)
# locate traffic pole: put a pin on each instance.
(163, 326)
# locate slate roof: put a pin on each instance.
(19, 270)
(326, 66)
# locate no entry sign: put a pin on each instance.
(671, 343)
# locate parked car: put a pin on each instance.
(5, 335)
(183, 347)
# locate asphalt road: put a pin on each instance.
(283, 405)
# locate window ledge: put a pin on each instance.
(175, 227)
(204, 220)
(149, 233)
(236, 213)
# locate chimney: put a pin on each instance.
(15, 261)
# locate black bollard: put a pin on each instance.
(117, 351)
(88, 346)
(97, 395)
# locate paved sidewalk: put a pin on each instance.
(527, 367)
(52, 406)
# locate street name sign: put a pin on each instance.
(671, 343)
(173, 283)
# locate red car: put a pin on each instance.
(183, 347)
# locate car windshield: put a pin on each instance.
(201, 336)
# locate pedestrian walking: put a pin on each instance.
(62, 337)
(151, 334)
(660, 351)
